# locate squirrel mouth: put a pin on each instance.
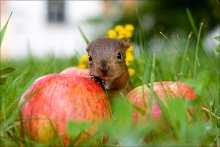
(106, 78)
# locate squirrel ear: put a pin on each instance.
(124, 42)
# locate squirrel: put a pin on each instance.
(107, 64)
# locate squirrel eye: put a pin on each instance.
(90, 59)
(119, 57)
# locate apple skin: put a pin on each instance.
(76, 71)
(59, 98)
(162, 89)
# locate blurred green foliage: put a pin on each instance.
(170, 15)
(6, 70)
(167, 16)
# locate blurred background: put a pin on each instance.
(45, 27)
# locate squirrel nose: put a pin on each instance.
(104, 67)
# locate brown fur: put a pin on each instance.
(106, 66)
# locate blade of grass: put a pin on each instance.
(152, 79)
(211, 113)
(2, 109)
(84, 36)
(22, 134)
(145, 78)
(192, 23)
(142, 55)
(141, 27)
(162, 105)
(76, 129)
(56, 135)
(11, 106)
(141, 40)
(6, 70)
(186, 49)
(2, 33)
(15, 113)
(141, 43)
(3, 80)
(197, 62)
(171, 43)
(139, 109)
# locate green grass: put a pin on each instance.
(181, 60)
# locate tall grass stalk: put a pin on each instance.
(84, 36)
(152, 80)
(3, 30)
(185, 50)
(197, 62)
(191, 20)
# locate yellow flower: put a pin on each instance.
(131, 71)
(129, 27)
(83, 66)
(122, 33)
(121, 36)
(128, 34)
(129, 58)
(83, 61)
(112, 33)
(130, 49)
(118, 28)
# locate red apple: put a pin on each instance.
(58, 98)
(163, 90)
(76, 71)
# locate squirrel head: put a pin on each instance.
(107, 58)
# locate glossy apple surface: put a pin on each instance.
(76, 71)
(53, 100)
(162, 90)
